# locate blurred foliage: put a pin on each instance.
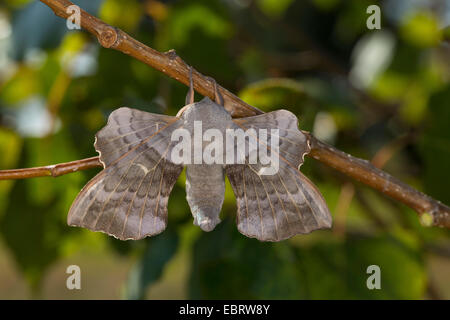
(229, 265)
(149, 268)
(360, 90)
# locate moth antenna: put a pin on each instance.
(190, 94)
(180, 112)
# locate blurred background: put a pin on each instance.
(382, 95)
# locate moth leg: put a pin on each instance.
(217, 95)
(190, 94)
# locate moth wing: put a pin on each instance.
(274, 207)
(127, 128)
(128, 199)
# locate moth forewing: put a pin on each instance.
(128, 199)
(277, 205)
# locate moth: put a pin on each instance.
(128, 198)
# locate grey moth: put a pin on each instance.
(128, 198)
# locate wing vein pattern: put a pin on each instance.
(285, 203)
(128, 198)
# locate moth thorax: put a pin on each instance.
(205, 191)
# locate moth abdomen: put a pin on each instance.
(205, 191)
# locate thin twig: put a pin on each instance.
(173, 66)
(51, 170)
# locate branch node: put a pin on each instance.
(174, 57)
(108, 37)
(172, 54)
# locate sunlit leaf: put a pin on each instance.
(274, 8)
(10, 146)
(123, 14)
(422, 29)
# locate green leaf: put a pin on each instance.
(337, 270)
(435, 146)
(274, 8)
(198, 17)
(159, 250)
(32, 233)
(227, 265)
(198, 31)
(124, 14)
(10, 145)
(422, 29)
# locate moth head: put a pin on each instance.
(206, 109)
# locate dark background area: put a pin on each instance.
(377, 94)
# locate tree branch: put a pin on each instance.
(173, 66)
(168, 63)
(367, 173)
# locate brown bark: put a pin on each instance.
(54, 170)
